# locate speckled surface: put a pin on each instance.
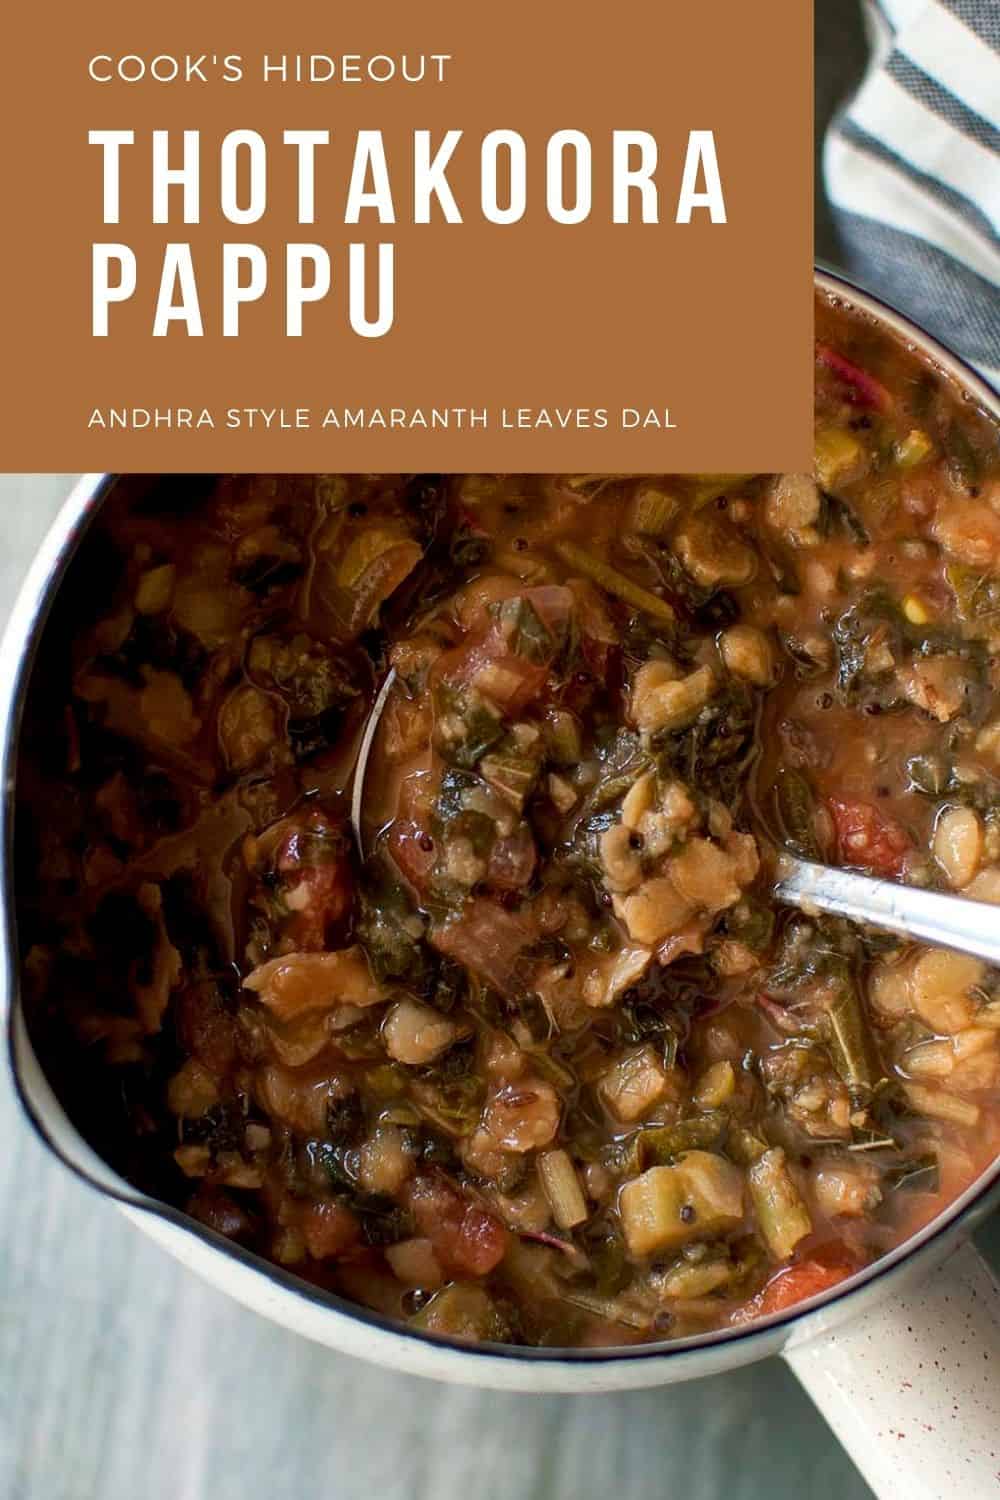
(912, 1388)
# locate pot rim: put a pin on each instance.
(19, 646)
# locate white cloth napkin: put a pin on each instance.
(912, 169)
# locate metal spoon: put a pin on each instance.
(945, 921)
(942, 920)
(364, 751)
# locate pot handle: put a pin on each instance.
(912, 1388)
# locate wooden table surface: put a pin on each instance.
(124, 1378)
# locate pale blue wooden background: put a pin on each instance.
(123, 1378)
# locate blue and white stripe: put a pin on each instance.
(912, 170)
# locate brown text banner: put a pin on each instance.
(546, 237)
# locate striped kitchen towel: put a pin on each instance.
(912, 169)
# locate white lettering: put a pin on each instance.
(626, 177)
(105, 291)
(429, 177)
(369, 158)
(305, 143)
(177, 275)
(380, 325)
(232, 144)
(236, 291)
(517, 176)
(111, 142)
(186, 176)
(555, 188)
(701, 153)
(298, 290)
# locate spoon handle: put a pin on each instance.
(943, 920)
(364, 751)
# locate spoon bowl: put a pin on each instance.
(935, 917)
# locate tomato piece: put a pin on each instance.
(326, 892)
(487, 939)
(512, 861)
(431, 1199)
(599, 643)
(861, 388)
(222, 1213)
(481, 1243)
(315, 861)
(412, 850)
(796, 1283)
(509, 682)
(328, 1228)
(602, 658)
(869, 839)
(553, 604)
(205, 1027)
(492, 665)
(506, 679)
(466, 1239)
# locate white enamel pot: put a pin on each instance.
(903, 1358)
